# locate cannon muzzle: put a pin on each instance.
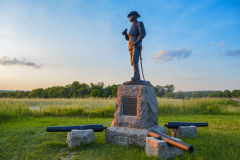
(186, 147)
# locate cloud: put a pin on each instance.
(221, 44)
(23, 59)
(232, 53)
(54, 66)
(106, 31)
(167, 55)
(213, 43)
(6, 61)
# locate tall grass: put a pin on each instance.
(100, 107)
(91, 107)
(198, 106)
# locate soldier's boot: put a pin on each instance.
(136, 72)
(136, 76)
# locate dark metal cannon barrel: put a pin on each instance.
(186, 147)
(234, 100)
(177, 124)
(95, 128)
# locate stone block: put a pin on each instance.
(125, 135)
(77, 137)
(159, 129)
(184, 132)
(161, 148)
(136, 107)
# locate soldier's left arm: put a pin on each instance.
(142, 31)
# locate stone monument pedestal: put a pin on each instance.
(136, 107)
(136, 111)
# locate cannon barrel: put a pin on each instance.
(186, 147)
(177, 124)
(95, 128)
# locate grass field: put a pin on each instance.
(23, 123)
(102, 108)
(26, 138)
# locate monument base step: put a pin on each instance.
(125, 135)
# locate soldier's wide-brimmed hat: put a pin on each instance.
(133, 13)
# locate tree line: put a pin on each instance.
(167, 91)
(73, 90)
(83, 90)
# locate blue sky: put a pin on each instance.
(194, 45)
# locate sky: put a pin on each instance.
(194, 45)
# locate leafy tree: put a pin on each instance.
(75, 86)
(106, 94)
(37, 92)
(226, 93)
(236, 93)
(169, 88)
(3, 94)
(213, 94)
(114, 93)
(180, 95)
(74, 95)
(169, 95)
(220, 94)
(11, 94)
(19, 94)
(63, 92)
(95, 93)
(197, 94)
(160, 91)
(111, 90)
(99, 86)
(84, 90)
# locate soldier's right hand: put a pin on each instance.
(124, 32)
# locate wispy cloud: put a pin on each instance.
(212, 43)
(222, 44)
(167, 55)
(232, 53)
(54, 66)
(7, 61)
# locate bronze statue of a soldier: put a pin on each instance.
(136, 34)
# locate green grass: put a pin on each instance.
(26, 138)
(102, 107)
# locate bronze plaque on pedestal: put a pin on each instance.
(130, 106)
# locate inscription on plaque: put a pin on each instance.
(125, 139)
(130, 106)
